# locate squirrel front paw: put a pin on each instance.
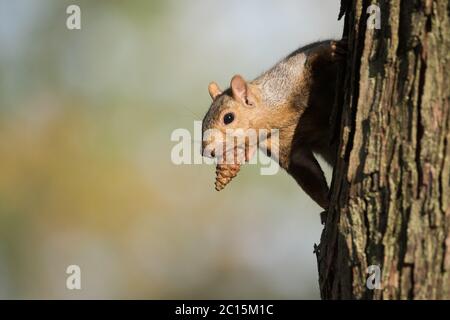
(339, 49)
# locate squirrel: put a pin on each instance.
(295, 96)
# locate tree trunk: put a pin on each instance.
(390, 194)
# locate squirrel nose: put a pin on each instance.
(211, 154)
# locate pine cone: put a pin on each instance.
(225, 173)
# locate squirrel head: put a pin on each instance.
(237, 108)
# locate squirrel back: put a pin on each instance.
(284, 80)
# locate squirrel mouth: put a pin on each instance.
(239, 154)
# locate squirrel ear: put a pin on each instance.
(214, 90)
(239, 88)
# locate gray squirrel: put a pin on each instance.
(296, 96)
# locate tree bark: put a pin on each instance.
(390, 193)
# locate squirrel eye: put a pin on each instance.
(228, 118)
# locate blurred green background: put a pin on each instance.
(86, 176)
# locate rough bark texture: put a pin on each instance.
(390, 197)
